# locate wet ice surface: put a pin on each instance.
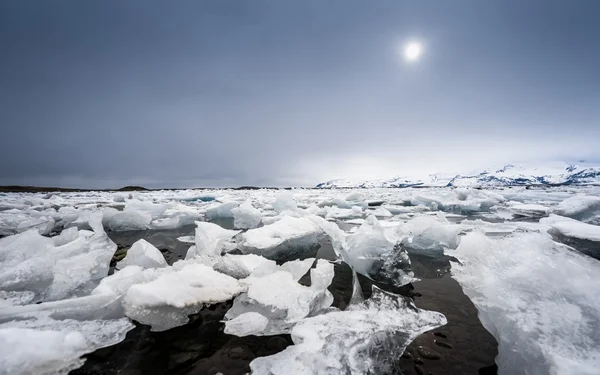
(219, 300)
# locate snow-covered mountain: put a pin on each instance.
(508, 175)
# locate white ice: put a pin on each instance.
(362, 340)
(282, 238)
(287, 303)
(210, 240)
(176, 293)
(580, 207)
(142, 253)
(572, 228)
(245, 216)
(538, 298)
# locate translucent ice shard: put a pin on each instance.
(365, 339)
(176, 293)
(246, 216)
(286, 304)
(538, 298)
(283, 237)
(143, 254)
(572, 228)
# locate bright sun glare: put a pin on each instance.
(412, 51)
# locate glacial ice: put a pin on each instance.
(221, 210)
(31, 262)
(365, 339)
(143, 254)
(282, 238)
(529, 209)
(429, 236)
(538, 298)
(245, 216)
(241, 266)
(572, 228)
(285, 305)
(370, 252)
(580, 207)
(50, 338)
(177, 292)
(246, 324)
(210, 240)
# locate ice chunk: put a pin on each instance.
(241, 266)
(298, 268)
(142, 253)
(43, 225)
(538, 298)
(370, 252)
(178, 292)
(365, 339)
(287, 304)
(529, 210)
(572, 228)
(283, 237)
(223, 210)
(355, 197)
(580, 207)
(210, 240)
(342, 213)
(380, 212)
(429, 236)
(285, 202)
(30, 262)
(250, 323)
(50, 338)
(246, 216)
(128, 219)
(66, 236)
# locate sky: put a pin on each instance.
(102, 94)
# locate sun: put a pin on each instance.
(413, 51)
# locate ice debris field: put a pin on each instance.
(526, 258)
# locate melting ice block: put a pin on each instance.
(223, 210)
(241, 266)
(142, 253)
(285, 236)
(210, 240)
(580, 207)
(177, 292)
(33, 263)
(50, 338)
(429, 236)
(365, 339)
(284, 305)
(538, 298)
(572, 228)
(246, 216)
(370, 252)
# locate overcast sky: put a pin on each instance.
(227, 93)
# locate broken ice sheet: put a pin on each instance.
(281, 239)
(143, 254)
(50, 338)
(370, 252)
(538, 298)
(177, 292)
(366, 338)
(286, 304)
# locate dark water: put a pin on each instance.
(463, 346)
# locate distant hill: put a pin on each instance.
(550, 174)
(43, 189)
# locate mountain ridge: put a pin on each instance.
(554, 174)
